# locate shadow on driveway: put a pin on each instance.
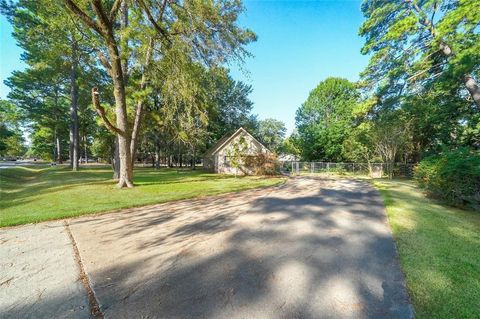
(312, 248)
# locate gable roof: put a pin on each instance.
(226, 139)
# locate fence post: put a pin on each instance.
(328, 168)
(298, 169)
(313, 167)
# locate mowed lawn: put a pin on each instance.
(439, 248)
(38, 194)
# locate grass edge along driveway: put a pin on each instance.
(439, 251)
(33, 194)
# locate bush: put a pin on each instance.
(453, 176)
(262, 164)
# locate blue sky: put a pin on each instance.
(9, 55)
(299, 44)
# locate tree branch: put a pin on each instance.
(162, 9)
(116, 6)
(83, 16)
(153, 22)
(103, 19)
(423, 18)
(104, 61)
(101, 111)
(416, 75)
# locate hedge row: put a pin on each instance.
(453, 176)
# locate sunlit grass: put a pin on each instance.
(439, 250)
(38, 194)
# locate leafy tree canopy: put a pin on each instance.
(325, 118)
(271, 133)
(415, 43)
(12, 142)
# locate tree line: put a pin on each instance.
(417, 101)
(127, 79)
(417, 97)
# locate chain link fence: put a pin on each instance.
(367, 169)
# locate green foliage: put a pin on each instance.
(42, 144)
(14, 145)
(421, 52)
(12, 142)
(231, 106)
(291, 145)
(236, 154)
(390, 138)
(55, 50)
(404, 38)
(359, 146)
(453, 176)
(324, 120)
(271, 134)
(188, 98)
(103, 145)
(5, 134)
(262, 164)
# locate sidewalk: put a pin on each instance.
(39, 274)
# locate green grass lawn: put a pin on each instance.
(38, 194)
(439, 250)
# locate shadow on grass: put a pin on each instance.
(438, 247)
(20, 184)
(52, 193)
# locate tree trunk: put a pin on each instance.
(85, 145)
(119, 75)
(194, 162)
(70, 148)
(473, 89)
(157, 157)
(116, 161)
(54, 150)
(468, 80)
(124, 24)
(139, 109)
(136, 128)
(74, 134)
(59, 149)
(126, 169)
(104, 26)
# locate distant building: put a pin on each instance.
(287, 158)
(218, 158)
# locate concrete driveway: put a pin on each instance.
(312, 248)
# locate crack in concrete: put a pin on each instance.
(95, 310)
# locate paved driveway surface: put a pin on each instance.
(39, 274)
(313, 248)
